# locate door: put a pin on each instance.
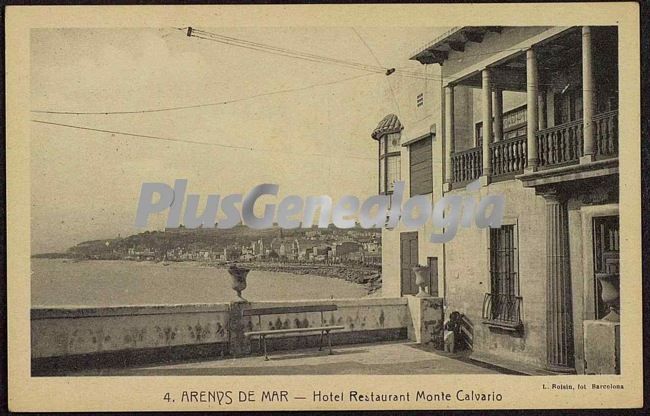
(606, 254)
(408, 259)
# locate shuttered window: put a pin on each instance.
(421, 167)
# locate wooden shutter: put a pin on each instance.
(421, 167)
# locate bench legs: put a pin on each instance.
(329, 342)
(266, 356)
(262, 341)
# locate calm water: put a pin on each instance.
(58, 282)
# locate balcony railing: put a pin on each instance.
(508, 157)
(560, 144)
(466, 165)
(556, 146)
(503, 311)
(606, 134)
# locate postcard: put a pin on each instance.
(324, 207)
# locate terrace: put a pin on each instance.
(199, 339)
(406, 358)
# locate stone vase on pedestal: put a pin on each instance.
(609, 283)
(421, 275)
(238, 275)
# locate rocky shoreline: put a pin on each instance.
(369, 277)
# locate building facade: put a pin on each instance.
(529, 113)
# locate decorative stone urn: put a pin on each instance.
(238, 275)
(610, 294)
(421, 274)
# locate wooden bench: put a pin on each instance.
(324, 329)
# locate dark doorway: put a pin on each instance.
(408, 259)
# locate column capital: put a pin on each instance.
(552, 195)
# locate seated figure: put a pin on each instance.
(450, 329)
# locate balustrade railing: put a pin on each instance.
(556, 146)
(560, 144)
(606, 134)
(508, 157)
(466, 166)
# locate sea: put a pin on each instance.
(96, 283)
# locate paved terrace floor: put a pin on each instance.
(384, 358)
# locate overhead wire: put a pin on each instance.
(191, 141)
(230, 101)
(261, 47)
(300, 54)
(390, 87)
(285, 52)
(258, 47)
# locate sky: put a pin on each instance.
(316, 141)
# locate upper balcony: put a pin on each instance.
(565, 96)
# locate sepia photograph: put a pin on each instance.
(346, 201)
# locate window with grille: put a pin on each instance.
(503, 303)
(420, 100)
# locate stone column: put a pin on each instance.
(559, 320)
(498, 114)
(531, 109)
(449, 133)
(587, 96)
(487, 121)
(238, 344)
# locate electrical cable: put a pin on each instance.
(190, 141)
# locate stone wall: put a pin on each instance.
(468, 276)
(70, 331)
(66, 339)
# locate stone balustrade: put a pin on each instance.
(560, 144)
(466, 165)
(508, 156)
(556, 146)
(606, 133)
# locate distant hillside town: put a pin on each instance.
(240, 244)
